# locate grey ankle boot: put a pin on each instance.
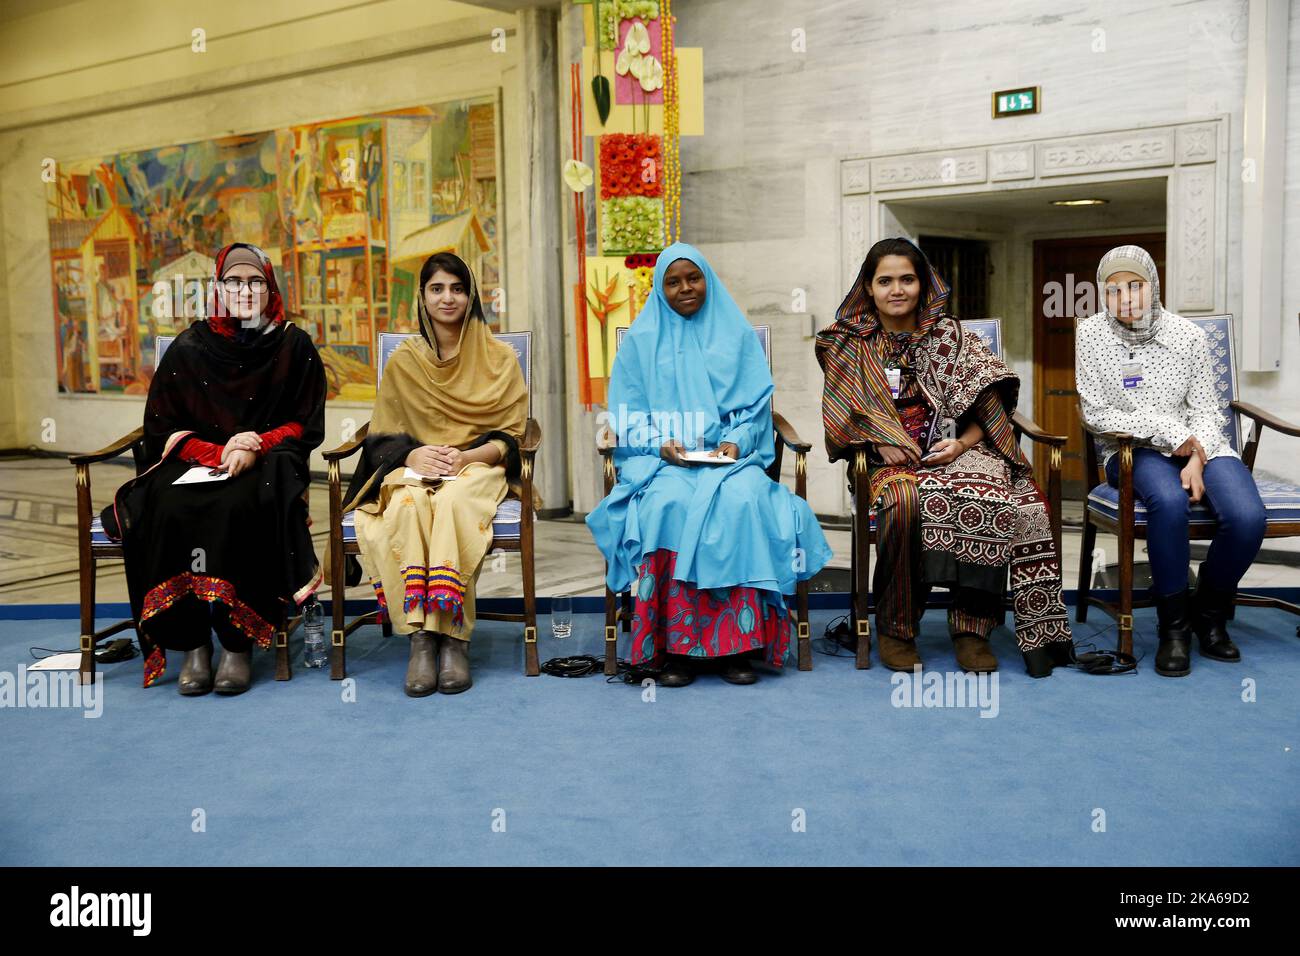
(234, 673)
(196, 672)
(453, 664)
(422, 670)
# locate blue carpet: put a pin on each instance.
(587, 772)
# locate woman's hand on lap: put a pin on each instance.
(671, 452)
(244, 441)
(726, 449)
(238, 461)
(944, 452)
(423, 461)
(1192, 476)
(893, 455)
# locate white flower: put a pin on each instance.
(627, 61)
(651, 74)
(577, 175)
(638, 38)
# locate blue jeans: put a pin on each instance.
(1231, 495)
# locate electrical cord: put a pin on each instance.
(122, 649)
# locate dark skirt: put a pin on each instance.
(241, 546)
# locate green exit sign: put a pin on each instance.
(1014, 102)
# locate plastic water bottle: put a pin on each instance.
(313, 624)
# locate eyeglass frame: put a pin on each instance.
(240, 283)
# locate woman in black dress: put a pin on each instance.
(241, 394)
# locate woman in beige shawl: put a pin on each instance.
(442, 451)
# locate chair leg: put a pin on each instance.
(283, 670)
(611, 631)
(862, 599)
(1126, 589)
(626, 599)
(86, 669)
(805, 642)
(532, 667)
(338, 640)
(1088, 542)
(862, 559)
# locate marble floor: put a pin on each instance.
(38, 557)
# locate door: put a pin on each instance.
(1065, 277)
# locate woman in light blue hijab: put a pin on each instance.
(713, 547)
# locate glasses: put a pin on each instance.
(255, 284)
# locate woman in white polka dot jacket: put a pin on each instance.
(1146, 371)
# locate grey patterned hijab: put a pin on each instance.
(1137, 260)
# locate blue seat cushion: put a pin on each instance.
(98, 536)
(1281, 501)
(505, 523)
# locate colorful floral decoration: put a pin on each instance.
(632, 224)
(630, 165)
(672, 172)
(641, 260)
(613, 11)
(602, 303)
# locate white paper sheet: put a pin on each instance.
(704, 458)
(200, 474)
(412, 473)
(58, 662)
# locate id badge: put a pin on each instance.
(1132, 374)
(895, 376)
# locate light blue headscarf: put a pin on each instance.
(704, 377)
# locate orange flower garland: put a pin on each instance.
(672, 171)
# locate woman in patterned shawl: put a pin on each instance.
(955, 501)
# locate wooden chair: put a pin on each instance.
(864, 520)
(94, 545)
(619, 607)
(512, 527)
(1119, 511)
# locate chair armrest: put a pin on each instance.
(1257, 414)
(1030, 428)
(532, 439)
(348, 449)
(111, 451)
(789, 436)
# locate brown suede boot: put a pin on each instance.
(974, 654)
(898, 655)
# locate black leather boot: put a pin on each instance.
(422, 670)
(453, 665)
(677, 672)
(1210, 609)
(737, 670)
(234, 673)
(1174, 657)
(196, 672)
